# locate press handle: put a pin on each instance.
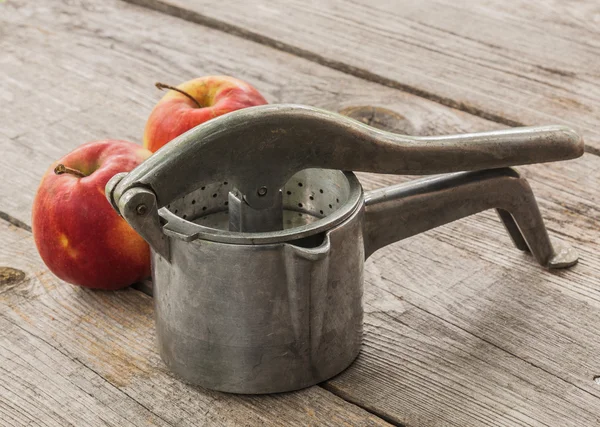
(258, 149)
(398, 212)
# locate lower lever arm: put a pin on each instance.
(398, 212)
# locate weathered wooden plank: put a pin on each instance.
(426, 288)
(113, 54)
(478, 323)
(512, 62)
(74, 357)
(424, 347)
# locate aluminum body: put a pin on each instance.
(265, 295)
(261, 319)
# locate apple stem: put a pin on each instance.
(162, 86)
(60, 169)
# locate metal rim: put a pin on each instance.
(180, 228)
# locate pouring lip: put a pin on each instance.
(188, 231)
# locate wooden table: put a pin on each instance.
(460, 328)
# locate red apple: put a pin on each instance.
(193, 103)
(78, 234)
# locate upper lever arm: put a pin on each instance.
(258, 149)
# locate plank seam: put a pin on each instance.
(364, 74)
(347, 398)
(14, 221)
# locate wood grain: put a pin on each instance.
(461, 297)
(461, 328)
(518, 62)
(452, 338)
(74, 357)
(112, 54)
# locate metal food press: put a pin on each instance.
(259, 230)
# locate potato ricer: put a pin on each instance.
(259, 231)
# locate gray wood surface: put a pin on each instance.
(74, 357)
(98, 65)
(463, 323)
(515, 62)
(461, 328)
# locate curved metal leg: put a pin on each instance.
(513, 230)
(558, 255)
(398, 212)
